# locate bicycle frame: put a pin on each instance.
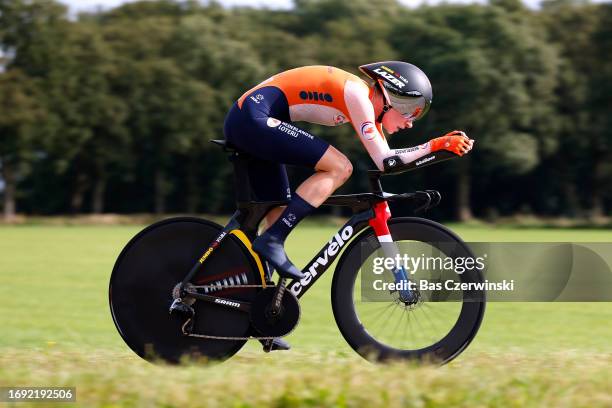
(369, 209)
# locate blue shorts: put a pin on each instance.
(262, 129)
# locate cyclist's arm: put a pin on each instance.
(361, 113)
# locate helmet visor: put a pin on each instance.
(412, 107)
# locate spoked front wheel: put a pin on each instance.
(437, 325)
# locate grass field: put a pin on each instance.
(57, 330)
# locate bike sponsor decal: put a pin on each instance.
(391, 162)
(428, 159)
(212, 247)
(272, 122)
(368, 130)
(389, 77)
(327, 256)
(227, 302)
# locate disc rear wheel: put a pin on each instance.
(148, 271)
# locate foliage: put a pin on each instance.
(127, 99)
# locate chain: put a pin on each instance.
(208, 336)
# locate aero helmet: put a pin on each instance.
(405, 87)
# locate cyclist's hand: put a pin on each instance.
(456, 142)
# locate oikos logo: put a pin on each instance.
(327, 256)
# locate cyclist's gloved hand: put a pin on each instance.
(456, 142)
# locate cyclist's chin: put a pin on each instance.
(391, 130)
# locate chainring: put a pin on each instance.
(279, 325)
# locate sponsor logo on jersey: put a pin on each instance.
(294, 131)
(315, 96)
(327, 257)
(368, 130)
(425, 160)
(271, 122)
(389, 77)
(257, 98)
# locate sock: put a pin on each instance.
(295, 212)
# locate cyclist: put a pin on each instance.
(395, 94)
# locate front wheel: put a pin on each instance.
(382, 327)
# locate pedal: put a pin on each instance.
(267, 345)
(179, 307)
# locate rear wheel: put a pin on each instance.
(150, 267)
(382, 327)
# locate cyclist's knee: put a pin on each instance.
(344, 171)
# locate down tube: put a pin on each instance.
(326, 256)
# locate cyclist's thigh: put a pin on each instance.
(283, 142)
(260, 128)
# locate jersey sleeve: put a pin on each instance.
(361, 115)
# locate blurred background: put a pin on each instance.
(109, 106)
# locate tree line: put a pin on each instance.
(112, 111)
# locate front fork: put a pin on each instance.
(382, 213)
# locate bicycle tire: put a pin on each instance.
(344, 308)
(147, 270)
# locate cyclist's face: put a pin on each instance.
(394, 121)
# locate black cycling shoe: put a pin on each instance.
(272, 249)
(275, 344)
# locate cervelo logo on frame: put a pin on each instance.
(332, 249)
(271, 122)
(368, 130)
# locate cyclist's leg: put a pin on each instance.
(255, 129)
(332, 171)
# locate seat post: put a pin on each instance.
(242, 184)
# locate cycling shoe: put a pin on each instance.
(275, 344)
(272, 249)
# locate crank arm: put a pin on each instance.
(229, 303)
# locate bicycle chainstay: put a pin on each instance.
(208, 336)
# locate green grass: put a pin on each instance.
(57, 330)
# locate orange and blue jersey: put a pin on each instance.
(261, 122)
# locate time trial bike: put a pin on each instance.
(187, 287)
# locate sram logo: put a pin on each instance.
(332, 249)
(227, 302)
(390, 78)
